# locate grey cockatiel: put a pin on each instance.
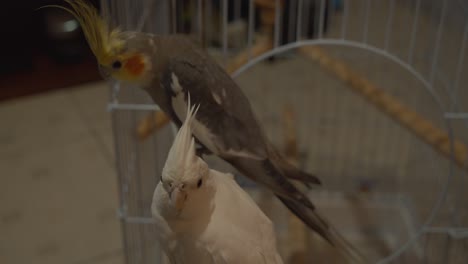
(203, 216)
(170, 67)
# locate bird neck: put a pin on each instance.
(160, 56)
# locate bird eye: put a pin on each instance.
(116, 65)
(199, 183)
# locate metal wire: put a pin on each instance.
(134, 179)
(237, 9)
(277, 29)
(450, 115)
(366, 21)
(145, 16)
(122, 191)
(388, 30)
(224, 27)
(306, 18)
(424, 82)
(299, 19)
(105, 10)
(321, 18)
(437, 43)
(200, 20)
(208, 15)
(414, 32)
(435, 209)
(339, 42)
(124, 15)
(461, 57)
(292, 8)
(344, 19)
(251, 27)
(174, 16)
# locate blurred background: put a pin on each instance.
(42, 50)
(369, 95)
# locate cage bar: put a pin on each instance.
(348, 131)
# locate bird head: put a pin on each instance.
(116, 58)
(184, 173)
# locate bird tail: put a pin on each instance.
(290, 171)
(276, 174)
(296, 174)
(314, 221)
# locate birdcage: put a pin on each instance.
(371, 96)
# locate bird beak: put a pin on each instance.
(178, 197)
(105, 72)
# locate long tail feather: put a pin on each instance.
(314, 221)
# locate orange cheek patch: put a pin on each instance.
(135, 65)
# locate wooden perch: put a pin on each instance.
(156, 120)
(291, 151)
(263, 45)
(297, 240)
(405, 116)
(150, 123)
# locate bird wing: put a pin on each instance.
(225, 122)
(237, 216)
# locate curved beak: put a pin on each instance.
(178, 197)
(105, 72)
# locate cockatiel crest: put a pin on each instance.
(108, 44)
(184, 172)
(182, 162)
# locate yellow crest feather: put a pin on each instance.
(103, 41)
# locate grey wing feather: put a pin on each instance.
(224, 109)
(239, 138)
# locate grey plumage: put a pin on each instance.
(227, 114)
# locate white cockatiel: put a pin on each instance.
(203, 215)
